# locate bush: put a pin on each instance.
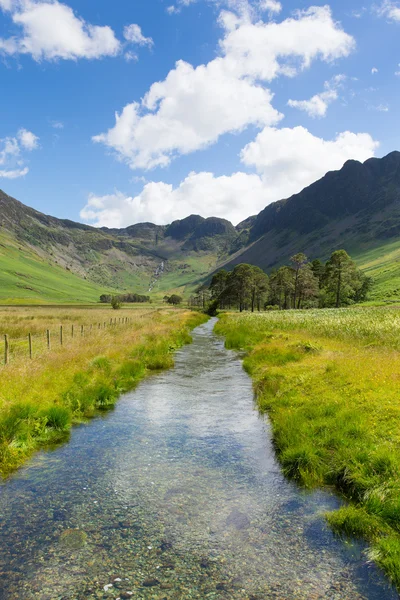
(58, 418)
(116, 303)
(175, 299)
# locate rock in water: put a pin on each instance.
(238, 520)
(150, 582)
(73, 539)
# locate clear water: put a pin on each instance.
(176, 494)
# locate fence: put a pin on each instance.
(28, 345)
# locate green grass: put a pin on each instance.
(41, 398)
(382, 263)
(25, 278)
(329, 380)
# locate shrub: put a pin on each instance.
(57, 417)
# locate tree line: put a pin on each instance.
(302, 284)
(131, 297)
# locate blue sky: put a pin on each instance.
(223, 106)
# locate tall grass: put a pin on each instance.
(330, 383)
(41, 398)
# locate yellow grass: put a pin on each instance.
(42, 397)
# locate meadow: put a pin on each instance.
(43, 396)
(329, 380)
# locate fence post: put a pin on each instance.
(6, 349)
(61, 335)
(99, 327)
(105, 324)
(48, 339)
(30, 344)
(82, 329)
(72, 330)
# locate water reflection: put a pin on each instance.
(176, 494)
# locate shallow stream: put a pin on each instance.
(176, 494)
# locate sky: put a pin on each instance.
(114, 113)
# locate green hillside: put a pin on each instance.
(45, 259)
(25, 278)
(382, 263)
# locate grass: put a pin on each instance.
(329, 381)
(40, 399)
(382, 263)
(27, 278)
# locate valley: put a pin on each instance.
(44, 259)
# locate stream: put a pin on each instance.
(176, 494)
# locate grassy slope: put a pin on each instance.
(25, 278)
(329, 381)
(42, 397)
(382, 263)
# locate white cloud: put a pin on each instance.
(381, 108)
(317, 106)
(287, 160)
(134, 35)
(273, 7)
(194, 106)
(51, 31)
(390, 10)
(131, 56)
(57, 124)
(229, 197)
(11, 149)
(374, 70)
(28, 140)
(14, 174)
(290, 159)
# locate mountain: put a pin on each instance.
(356, 208)
(45, 258)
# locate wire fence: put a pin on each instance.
(33, 345)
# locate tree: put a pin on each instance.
(281, 284)
(218, 286)
(175, 299)
(116, 303)
(298, 260)
(307, 286)
(240, 284)
(318, 268)
(259, 288)
(343, 279)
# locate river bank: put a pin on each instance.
(175, 494)
(41, 398)
(329, 382)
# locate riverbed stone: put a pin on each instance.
(73, 539)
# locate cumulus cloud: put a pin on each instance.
(374, 70)
(390, 10)
(133, 34)
(290, 159)
(50, 30)
(317, 106)
(273, 7)
(287, 160)
(194, 106)
(28, 140)
(11, 153)
(162, 203)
